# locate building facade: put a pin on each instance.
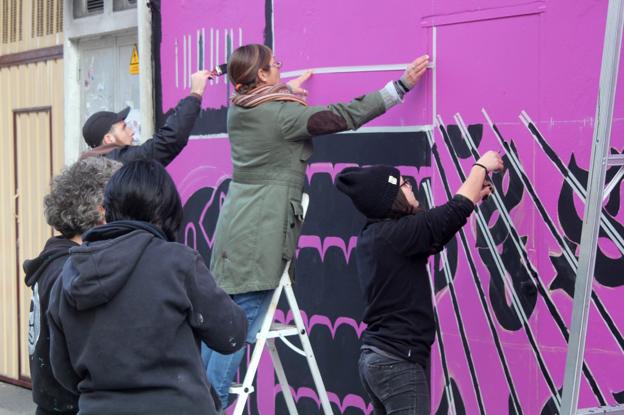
(32, 147)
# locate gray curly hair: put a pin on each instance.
(72, 205)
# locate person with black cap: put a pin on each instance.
(108, 134)
(391, 257)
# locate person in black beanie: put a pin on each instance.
(391, 257)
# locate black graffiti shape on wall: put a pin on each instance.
(522, 282)
(550, 408)
(511, 199)
(525, 290)
(516, 296)
(459, 145)
(513, 155)
(475, 277)
(608, 269)
(443, 408)
(200, 218)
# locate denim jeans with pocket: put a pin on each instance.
(395, 386)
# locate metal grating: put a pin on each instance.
(119, 5)
(59, 16)
(11, 19)
(47, 17)
(84, 8)
(94, 6)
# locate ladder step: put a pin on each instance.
(615, 160)
(238, 389)
(281, 330)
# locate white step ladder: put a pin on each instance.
(596, 194)
(266, 337)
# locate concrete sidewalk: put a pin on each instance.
(15, 400)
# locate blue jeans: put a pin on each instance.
(220, 368)
(395, 386)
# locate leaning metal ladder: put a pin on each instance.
(596, 194)
(266, 337)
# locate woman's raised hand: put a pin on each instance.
(414, 71)
(295, 84)
(492, 161)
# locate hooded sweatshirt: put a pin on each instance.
(126, 318)
(41, 273)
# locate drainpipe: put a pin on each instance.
(146, 72)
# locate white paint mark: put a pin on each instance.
(184, 58)
(216, 52)
(204, 48)
(190, 59)
(212, 65)
(349, 69)
(434, 91)
(175, 48)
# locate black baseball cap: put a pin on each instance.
(100, 123)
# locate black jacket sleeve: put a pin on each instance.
(170, 140)
(59, 354)
(218, 320)
(427, 232)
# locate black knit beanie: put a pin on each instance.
(372, 189)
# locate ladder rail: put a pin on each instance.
(281, 377)
(261, 339)
(266, 337)
(591, 221)
(307, 347)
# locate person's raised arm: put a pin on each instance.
(426, 233)
(172, 137)
(300, 122)
(476, 186)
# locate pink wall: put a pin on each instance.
(542, 57)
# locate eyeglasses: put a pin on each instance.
(409, 182)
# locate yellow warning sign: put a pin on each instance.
(134, 61)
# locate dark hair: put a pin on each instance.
(244, 64)
(72, 206)
(400, 207)
(143, 190)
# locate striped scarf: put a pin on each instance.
(266, 93)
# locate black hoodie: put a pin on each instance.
(41, 273)
(392, 257)
(126, 318)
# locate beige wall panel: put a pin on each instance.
(25, 87)
(34, 172)
(8, 286)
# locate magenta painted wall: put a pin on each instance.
(542, 57)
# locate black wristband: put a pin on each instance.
(482, 166)
(399, 89)
(402, 85)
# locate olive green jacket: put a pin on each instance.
(261, 218)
